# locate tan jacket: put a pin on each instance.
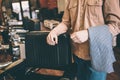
(91, 13)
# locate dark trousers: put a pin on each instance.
(85, 72)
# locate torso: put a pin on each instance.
(85, 14)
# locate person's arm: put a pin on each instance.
(52, 37)
(112, 15)
(111, 9)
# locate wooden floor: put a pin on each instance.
(116, 74)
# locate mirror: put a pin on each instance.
(21, 9)
(25, 9)
(16, 10)
(33, 9)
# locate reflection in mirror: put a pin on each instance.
(0, 12)
(22, 9)
(25, 9)
(16, 10)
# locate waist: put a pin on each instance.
(81, 50)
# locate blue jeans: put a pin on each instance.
(85, 72)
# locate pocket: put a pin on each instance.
(95, 2)
(72, 7)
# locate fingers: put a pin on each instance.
(80, 36)
(75, 38)
(55, 39)
(52, 39)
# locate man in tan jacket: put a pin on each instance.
(79, 15)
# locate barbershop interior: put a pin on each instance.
(24, 51)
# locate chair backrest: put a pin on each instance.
(118, 40)
(40, 54)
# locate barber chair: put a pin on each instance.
(31, 25)
(118, 40)
(41, 56)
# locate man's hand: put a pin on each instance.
(80, 36)
(52, 38)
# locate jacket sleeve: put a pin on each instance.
(63, 26)
(112, 15)
(66, 15)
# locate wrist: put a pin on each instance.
(56, 32)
